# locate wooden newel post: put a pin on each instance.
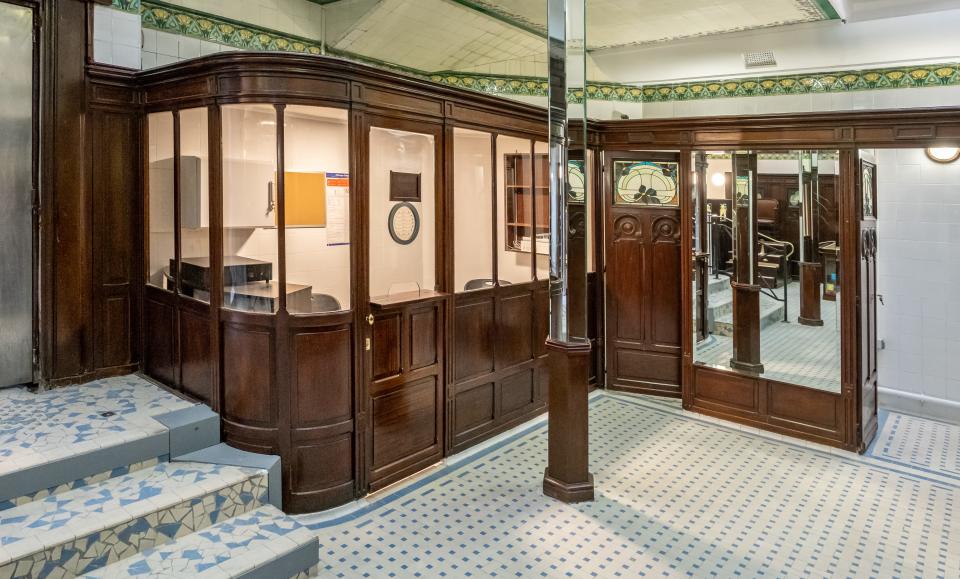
(567, 477)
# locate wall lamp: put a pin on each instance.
(943, 154)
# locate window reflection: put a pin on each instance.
(194, 204)
(161, 200)
(515, 194)
(473, 209)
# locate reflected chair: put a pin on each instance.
(476, 284)
(324, 303)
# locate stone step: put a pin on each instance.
(57, 441)
(263, 543)
(771, 312)
(85, 529)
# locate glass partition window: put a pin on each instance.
(473, 214)
(541, 183)
(194, 204)
(402, 212)
(317, 209)
(647, 183)
(161, 201)
(515, 194)
(250, 261)
(770, 221)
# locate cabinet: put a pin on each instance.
(527, 191)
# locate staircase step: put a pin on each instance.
(57, 441)
(263, 543)
(85, 529)
(771, 312)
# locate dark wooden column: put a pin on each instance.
(746, 291)
(567, 477)
(811, 269)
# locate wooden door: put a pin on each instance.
(867, 301)
(643, 261)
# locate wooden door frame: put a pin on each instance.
(606, 195)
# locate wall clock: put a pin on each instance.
(404, 223)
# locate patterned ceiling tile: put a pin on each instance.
(635, 22)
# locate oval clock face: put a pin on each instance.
(404, 223)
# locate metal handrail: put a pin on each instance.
(784, 264)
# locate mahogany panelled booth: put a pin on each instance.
(350, 265)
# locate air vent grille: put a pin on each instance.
(759, 58)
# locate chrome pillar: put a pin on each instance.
(567, 476)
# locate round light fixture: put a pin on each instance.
(718, 179)
(943, 154)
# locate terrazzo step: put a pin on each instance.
(261, 544)
(88, 528)
(56, 441)
(771, 312)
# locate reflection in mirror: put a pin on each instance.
(515, 193)
(473, 214)
(796, 265)
(402, 212)
(542, 185)
(316, 165)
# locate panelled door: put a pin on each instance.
(17, 148)
(867, 300)
(643, 270)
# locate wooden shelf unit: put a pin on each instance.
(520, 195)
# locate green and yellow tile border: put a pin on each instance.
(174, 19)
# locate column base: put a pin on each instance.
(567, 492)
(746, 366)
(809, 322)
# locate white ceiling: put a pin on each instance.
(859, 10)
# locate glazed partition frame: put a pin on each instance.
(310, 387)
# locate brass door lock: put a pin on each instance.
(370, 319)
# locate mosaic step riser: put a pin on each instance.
(261, 544)
(76, 556)
(82, 482)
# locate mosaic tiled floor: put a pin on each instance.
(921, 442)
(41, 428)
(791, 352)
(677, 495)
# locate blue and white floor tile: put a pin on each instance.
(45, 427)
(677, 495)
(920, 442)
(93, 526)
(227, 549)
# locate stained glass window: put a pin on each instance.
(576, 181)
(647, 183)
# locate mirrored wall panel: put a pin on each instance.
(766, 276)
(194, 204)
(515, 200)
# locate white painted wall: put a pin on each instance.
(396, 268)
(919, 241)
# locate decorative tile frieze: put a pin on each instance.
(192, 23)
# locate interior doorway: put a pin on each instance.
(17, 194)
(643, 272)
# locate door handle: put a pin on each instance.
(370, 319)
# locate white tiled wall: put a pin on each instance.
(116, 37)
(919, 250)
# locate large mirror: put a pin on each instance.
(767, 289)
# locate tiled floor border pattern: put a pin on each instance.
(373, 527)
(196, 24)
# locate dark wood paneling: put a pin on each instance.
(474, 334)
(159, 333)
(515, 330)
(323, 468)
(248, 394)
(517, 393)
(803, 408)
(196, 360)
(474, 407)
(404, 425)
(423, 338)
(323, 384)
(727, 391)
(387, 349)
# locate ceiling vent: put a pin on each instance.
(759, 59)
